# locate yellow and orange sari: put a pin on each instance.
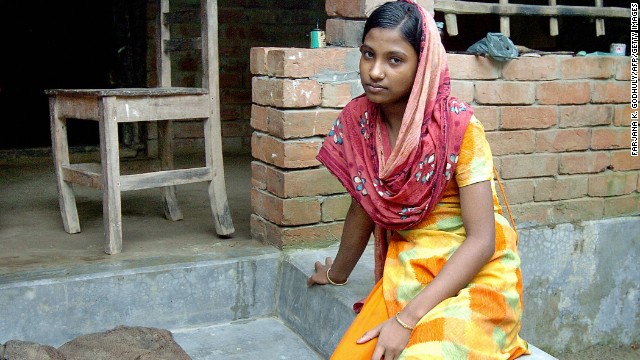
(482, 321)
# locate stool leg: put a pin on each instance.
(165, 151)
(217, 189)
(110, 158)
(60, 150)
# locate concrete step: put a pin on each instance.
(266, 338)
(250, 302)
(54, 306)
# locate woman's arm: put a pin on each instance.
(476, 202)
(356, 232)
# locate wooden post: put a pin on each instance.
(212, 127)
(451, 23)
(504, 21)
(110, 159)
(599, 22)
(553, 21)
(60, 151)
(165, 128)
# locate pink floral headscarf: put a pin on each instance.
(399, 187)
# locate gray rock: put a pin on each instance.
(26, 350)
(125, 343)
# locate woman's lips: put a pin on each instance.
(373, 88)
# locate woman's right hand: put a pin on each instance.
(320, 275)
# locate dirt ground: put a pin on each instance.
(601, 352)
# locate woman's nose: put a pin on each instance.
(377, 71)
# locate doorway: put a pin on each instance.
(64, 44)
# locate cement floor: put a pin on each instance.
(33, 240)
(32, 237)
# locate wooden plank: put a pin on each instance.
(212, 128)
(461, 8)
(163, 57)
(182, 44)
(181, 17)
(87, 174)
(60, 150)
(451, 22)
(74, 94)
(553, 21)
(162, 108)
(600, 31)
(164, 178)
(110, 160)
(84, 108)
(504, 21)
(165, 151)
(217, 188)
(599, 22)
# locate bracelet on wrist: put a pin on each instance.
(402, 323)
(335, 283)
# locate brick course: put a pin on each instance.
(505, 92)
(583, 116)
(290, 124)
(562, 140)
(300, 93)
(512, 142)
(587, 67)
(286, 154)
(535, 69)
(583, 162)
(611, 138)
(610, 92)
(560, 188)
(528, 117)
(563, 92)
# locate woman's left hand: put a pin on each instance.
(392, 339)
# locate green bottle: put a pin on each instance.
(317, 37)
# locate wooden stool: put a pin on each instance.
(162, 105)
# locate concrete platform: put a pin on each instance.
(222, 298)
(33, 238)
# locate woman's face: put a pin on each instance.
(388, 66)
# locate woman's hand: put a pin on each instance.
(356, 231)
(392, 339)
(320, 275)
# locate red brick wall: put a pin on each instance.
(243, 24)
(559, 128)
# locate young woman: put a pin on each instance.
(420, 173)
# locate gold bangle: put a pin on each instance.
(335, 283)
(402, 323)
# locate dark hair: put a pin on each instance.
(397, 15)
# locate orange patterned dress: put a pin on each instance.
(483, 320)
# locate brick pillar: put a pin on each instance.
(297, 95)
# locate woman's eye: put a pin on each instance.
(367, 54)
(395, 61)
